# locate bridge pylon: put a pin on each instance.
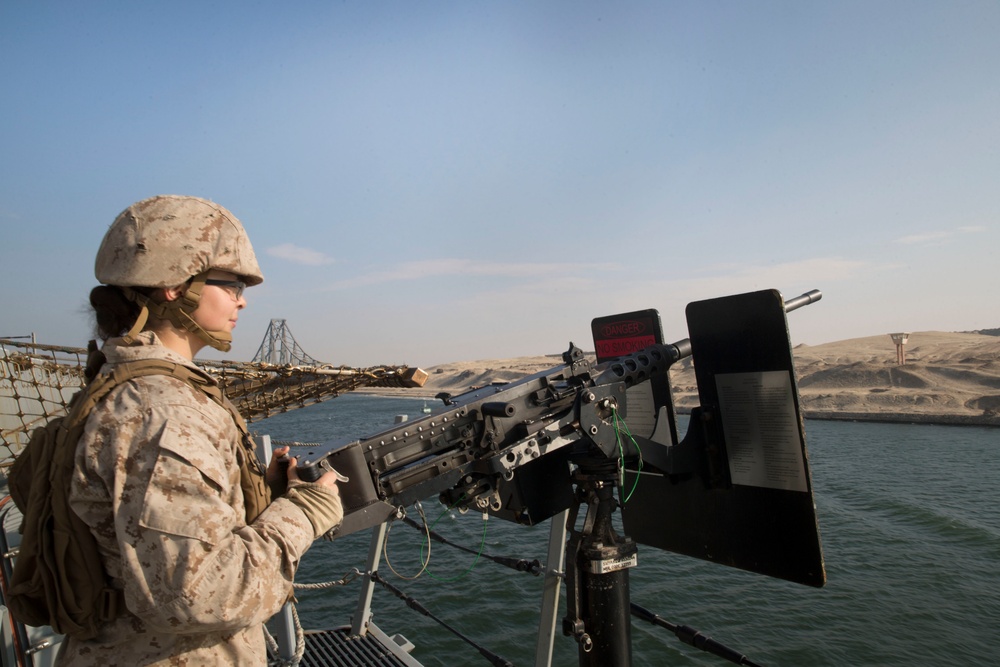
(280, 348)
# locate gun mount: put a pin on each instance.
(736, 490)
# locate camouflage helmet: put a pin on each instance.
(165, 240)
(171, 240)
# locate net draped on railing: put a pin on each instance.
(37, 382)
(261, 390)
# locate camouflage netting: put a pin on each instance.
(37, 382)
(260, 390)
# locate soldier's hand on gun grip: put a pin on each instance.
(277, 471)
(319, 500)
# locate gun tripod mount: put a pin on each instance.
(597, 563)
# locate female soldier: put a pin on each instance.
(164, 475)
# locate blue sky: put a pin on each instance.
(439, 181)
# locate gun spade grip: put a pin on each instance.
(310, 472)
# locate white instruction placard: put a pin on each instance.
(643, 417)
(641, 410)
(762, 430)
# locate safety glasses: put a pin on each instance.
(234, 287)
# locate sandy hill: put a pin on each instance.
(947, 377)
(944, 373)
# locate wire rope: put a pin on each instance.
(425, 561)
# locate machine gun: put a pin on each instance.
(736, 490)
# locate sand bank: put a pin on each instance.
(948, 378)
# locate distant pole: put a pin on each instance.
(900, 340)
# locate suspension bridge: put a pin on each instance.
(279, 348)
(37, 381)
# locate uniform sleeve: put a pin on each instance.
(189, 561)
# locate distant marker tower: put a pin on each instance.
(900, 340)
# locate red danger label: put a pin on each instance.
(626, 333)
(623, 329)
(617, 347)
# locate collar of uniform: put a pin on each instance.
(146, 345)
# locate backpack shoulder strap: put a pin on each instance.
(256, 493)
(133, 369)
(102, 385)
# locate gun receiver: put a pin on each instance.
(471, 451)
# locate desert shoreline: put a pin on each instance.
(947, 379)
(817, 415)
(903, 418)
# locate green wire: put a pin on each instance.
(482, 545)
(619, 426)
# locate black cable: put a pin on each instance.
(415, 605)
(533, 566)
(689, 635)
(685, 633)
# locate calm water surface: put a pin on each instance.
(910, 522)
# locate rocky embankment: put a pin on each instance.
(947, 378)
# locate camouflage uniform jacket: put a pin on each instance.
(158, 482)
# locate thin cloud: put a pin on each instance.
(921, 239)
(817, 268)
(724, 277)
(929, 238)
(436, 268)
(298, 254)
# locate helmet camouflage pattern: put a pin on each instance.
(165, 240)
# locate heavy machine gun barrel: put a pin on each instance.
(812, 296)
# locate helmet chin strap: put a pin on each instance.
(179, 313)
(140, 321)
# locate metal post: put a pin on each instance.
(598, 598)
(900, 340)
(285, 635)
(363, 611)
(555, 564)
